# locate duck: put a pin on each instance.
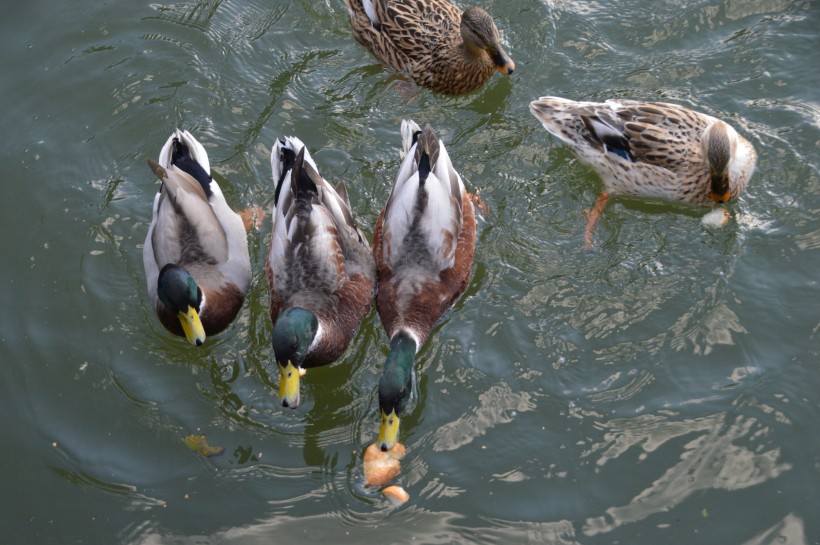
(320, 269)
(432, 41)
(424, 243)
(195, 255)
(651, 149)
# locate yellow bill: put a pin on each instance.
(388, 431)
(289, 385)
(192, 326)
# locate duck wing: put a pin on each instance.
(316, 245)
(186, 229)
(403, 33)
(422, 217)
(661, 134)
(658, 134)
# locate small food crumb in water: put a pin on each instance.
(396, 494)
(716, 218)
(199, 443)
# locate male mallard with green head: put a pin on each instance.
(320, 268)
(424, 242)
(196, 253)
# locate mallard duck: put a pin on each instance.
(320, 268)
(651, 149)
(424, 243)
(432, 41)
(196, 253)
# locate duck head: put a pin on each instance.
(178, 291)
(719, 142)
(395, 387)
(293, 333)
(479, 33)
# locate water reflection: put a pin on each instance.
(194, 14)
(705, 326)
(573, 396)
(498, 405)
(408, 526)
(712, 459)
(789, 531)
(737, 9)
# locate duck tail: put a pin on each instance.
(305, 178)
(427, 152)
(410, 132)
(283, 156)
(182, 159)
(183, 151)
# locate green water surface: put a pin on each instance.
(658, 388)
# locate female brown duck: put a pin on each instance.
(432, 41)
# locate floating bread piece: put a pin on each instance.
(198, 443)
(396, 494)
(381, 467)
(716, 218)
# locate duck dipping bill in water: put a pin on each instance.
(195, 256)
(432, 41)
(424, 242)
(320, 268)
(651, 149)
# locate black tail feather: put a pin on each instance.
(288, 157)
(181, 158)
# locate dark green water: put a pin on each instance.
(660, 388)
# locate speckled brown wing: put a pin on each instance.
(408, 32)
(423, 38)
(654, 150)
(667, 138)
(372, 37)
(420, 29)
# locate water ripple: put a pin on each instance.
(406, 526)
(789, 531)
(497, 405)
(712, 459)
(197, 15)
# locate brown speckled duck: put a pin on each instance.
(320, 268)
(651, 149)
(196, 253)
(431, 40)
